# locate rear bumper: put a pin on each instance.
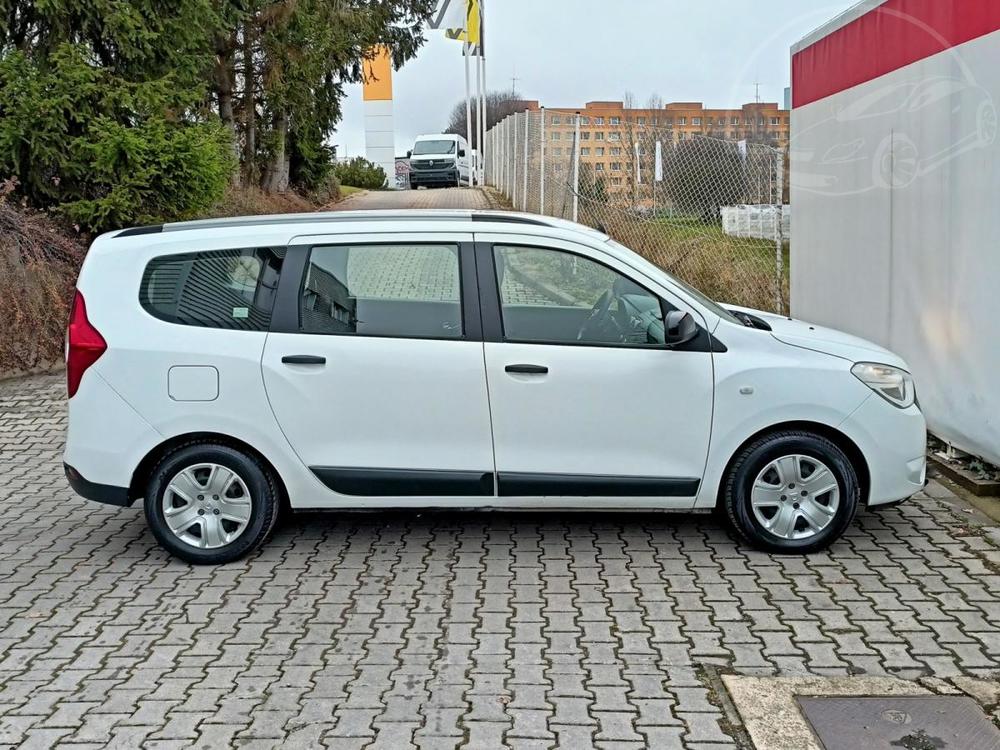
(106, 438)
(108, 494)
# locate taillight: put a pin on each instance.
(84, 344)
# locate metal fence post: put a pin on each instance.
(498, 150)
(506, 156)
(778, 232)
(503, 156)
(524, 179)
(513, 158)
(541, 189)
(576, 169)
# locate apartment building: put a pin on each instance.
(608, 128)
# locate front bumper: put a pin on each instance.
(433, 176)
(894, 444)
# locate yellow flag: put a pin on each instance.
(471, 32)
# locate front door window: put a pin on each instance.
(556, 297)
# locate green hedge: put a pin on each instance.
(359, 172)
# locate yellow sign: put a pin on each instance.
(378, 75)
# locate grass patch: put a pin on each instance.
(736, 270)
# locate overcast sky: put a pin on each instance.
(567, 52)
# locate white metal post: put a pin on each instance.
(541, 176)
(576, 169)
(481, 130)
(524, 191)
(466, 51)
(502, 143)
(778, 231)
(638, 176)
(499, 149)
(506, 157)
(513, 158)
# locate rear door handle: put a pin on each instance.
(303, 359)
(527, 369)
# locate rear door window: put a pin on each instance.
(397, 290)
(232, 289)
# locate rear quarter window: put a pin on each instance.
(231, 289)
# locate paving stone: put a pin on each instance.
(447, 629)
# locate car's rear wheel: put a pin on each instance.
(208, 503)
(791, 492)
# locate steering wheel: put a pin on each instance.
(600, 317)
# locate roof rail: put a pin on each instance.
(509, 219)
(337, 217)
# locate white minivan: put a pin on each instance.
(224, 369)
(441, 160)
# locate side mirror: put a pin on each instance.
(409, 154)
(461, 152)
(679, 328)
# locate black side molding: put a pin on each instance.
(153, 229)
(108, 494)
(405, 482)
(516, 484)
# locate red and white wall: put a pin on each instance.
(895, 179)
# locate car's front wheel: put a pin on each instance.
(791, 492)
(208, 503)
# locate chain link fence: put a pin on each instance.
(659, 192)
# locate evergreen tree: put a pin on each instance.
(117, 112)
(103, 109)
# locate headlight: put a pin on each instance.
(891, 383)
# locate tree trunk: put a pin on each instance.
(276, 176)
(249, 104)
(224, 75)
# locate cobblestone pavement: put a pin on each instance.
(454, 197)
(447, 629)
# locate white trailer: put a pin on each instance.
(895, 181)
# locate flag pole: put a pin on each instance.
(481, 76)
(480, 157)
(482, 110)
(468, 113)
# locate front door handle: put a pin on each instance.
(527, 369)
(303, 359)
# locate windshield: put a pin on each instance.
(711, 304)
(433, 147)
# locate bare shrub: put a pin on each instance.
(38, 268)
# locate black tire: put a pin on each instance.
(259, 482)
(752, 460)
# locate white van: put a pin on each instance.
(440, 160)
(222, 369)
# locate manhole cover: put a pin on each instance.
(890, 723)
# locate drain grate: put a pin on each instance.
(900, 723)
